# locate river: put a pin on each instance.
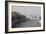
(29, 23)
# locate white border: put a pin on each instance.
(23, 29)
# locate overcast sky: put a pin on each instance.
(27, 10)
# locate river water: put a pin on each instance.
(29, 23)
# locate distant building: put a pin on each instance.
(17, 16)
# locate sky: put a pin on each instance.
(28, 10)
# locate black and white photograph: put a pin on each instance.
(25, 16)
